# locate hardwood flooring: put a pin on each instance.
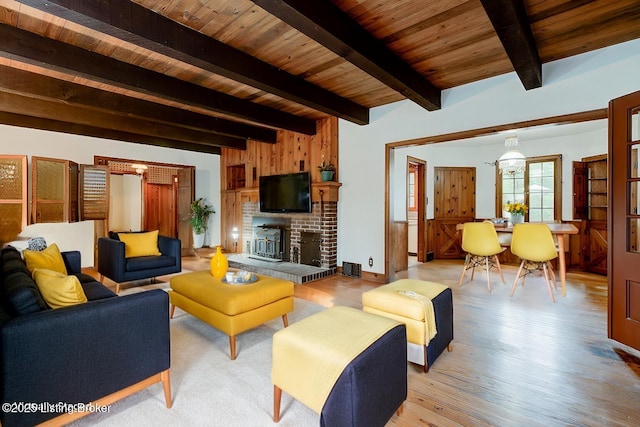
(516, 361)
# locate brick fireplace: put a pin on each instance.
(323, 220)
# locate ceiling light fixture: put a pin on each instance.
(512, 161)
(139, 168)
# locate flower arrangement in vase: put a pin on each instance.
(517, 211)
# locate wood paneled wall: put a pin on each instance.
(293, 152)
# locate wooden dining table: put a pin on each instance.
(557, 229)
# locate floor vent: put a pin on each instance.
(351, 269)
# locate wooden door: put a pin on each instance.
(624, 275)
(186, 193)
(596, 257)
(13, 196)
(160, 209)
(54, 194)
(580, 190)
(421, 191)
(454, 203)
(591, 206)
(229, 217)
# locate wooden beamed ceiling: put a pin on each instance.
(510, 21)
(328, 25)
(203, 75)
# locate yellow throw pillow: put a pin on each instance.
(50, 259)
(57, 289)
(140, 244)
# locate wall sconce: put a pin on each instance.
(234, 235)
(139, 168)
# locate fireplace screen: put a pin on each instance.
(310, 248)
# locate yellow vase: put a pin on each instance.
(219, 264)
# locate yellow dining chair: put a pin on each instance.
(480, 241)
(534, 245)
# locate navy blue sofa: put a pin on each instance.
(113, 264)
(77, 354)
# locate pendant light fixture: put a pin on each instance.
(512, 161)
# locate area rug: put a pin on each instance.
(208, 388)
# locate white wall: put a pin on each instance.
(80, 149)
(125, 203)
(581, 83)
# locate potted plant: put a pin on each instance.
(327, 170)
(200, 213)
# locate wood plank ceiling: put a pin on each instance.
(200, 75)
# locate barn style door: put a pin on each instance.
(455, 202)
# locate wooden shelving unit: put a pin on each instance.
(236, 177)
(591, 206)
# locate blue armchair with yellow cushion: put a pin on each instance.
(124, 257)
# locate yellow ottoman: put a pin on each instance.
(231, 308)
(426, 308)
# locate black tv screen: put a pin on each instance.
(285, 193)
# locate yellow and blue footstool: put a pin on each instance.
(426, 308)
(344, 364)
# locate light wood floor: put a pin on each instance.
(521, 361)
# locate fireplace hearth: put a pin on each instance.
(305, 238)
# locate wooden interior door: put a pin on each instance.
(422, 212)
(454, 203)
(160, 208)
(186, 193)
(624, 257)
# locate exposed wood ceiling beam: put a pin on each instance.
(60, 110)
(85, 130)
(35, 85)
(330, 26)
(133, 23)
(509, 19)
(32, 48)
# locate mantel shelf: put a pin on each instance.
(326, 191)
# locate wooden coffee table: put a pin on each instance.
(231, 308)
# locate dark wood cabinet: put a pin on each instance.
(590, 204)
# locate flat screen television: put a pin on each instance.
(285, 193)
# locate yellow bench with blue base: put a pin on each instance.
(347, 365)
(426, 308)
